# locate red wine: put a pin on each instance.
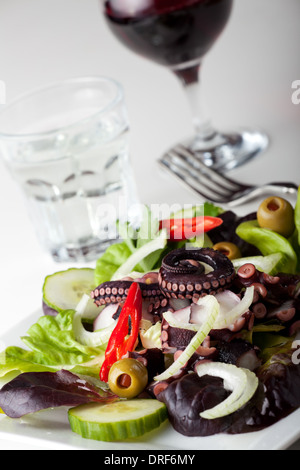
(170, 32)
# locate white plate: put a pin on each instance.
(50, 428)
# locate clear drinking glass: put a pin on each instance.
(178, 34)
(66, 145)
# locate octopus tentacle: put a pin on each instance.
(174, 339)
(157, 309)
(183, 275)
(117, 291)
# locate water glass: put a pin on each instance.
(66, 145)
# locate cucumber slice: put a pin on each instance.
(117, 421)
(63, 290)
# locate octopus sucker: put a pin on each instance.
(117, 291)
(184, 273)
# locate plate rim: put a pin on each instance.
(258, 440)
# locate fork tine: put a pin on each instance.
(184, 165)
(185, 153)
(200, 177)
(178, 176)
(196, 185)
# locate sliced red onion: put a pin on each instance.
(180, 319)
(198, 314)
(227, 300)
(178, 304)
(49, 310)
(183, 315)
(249, 360)
(105, 317)
(232, 307)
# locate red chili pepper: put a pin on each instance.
(119, 344)
(185, 229)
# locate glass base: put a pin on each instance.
(81, 254)
(227, 151)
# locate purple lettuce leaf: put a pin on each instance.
(277, 396)
(35, 391)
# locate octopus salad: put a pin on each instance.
(198, 330)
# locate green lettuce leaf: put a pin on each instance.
(110, 261)
(132, 240)
(52, 347)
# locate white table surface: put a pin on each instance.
(247, 81)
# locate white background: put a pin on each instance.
(247, 81)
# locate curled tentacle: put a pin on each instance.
(191, 274)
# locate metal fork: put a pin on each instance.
(211, 185)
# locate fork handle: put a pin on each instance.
(285, 188)
(288, 188)
(284, 185)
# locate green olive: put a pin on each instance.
(128, 378)
(277, 214)
(229, 249)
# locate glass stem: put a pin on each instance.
(190, 79)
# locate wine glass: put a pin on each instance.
(178, 34)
